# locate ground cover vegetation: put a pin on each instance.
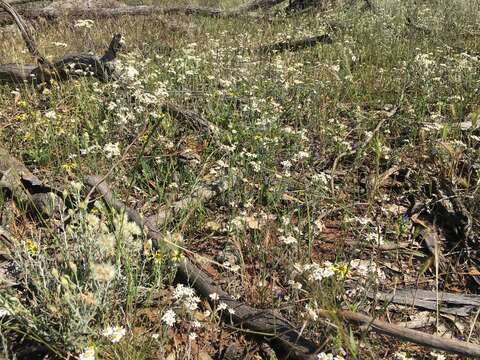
(305, 179)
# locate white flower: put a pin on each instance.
(130, 72)
(319, 224)
(231, 311)
(52, 115)
(214, 296)
(115, 333)
(155, 336)
(169, 317)
(289, 240)
(321, 178)
(438, 356)
(4, 312)
(375, 238)
(187, 296)
(59, 44)
(111, 150)
(182, 291)
(295, 285)
(222, 306)
(196, 324)
(402, 356)
(325, 356)
(192, 336)
(366, 268)
(320, 272)
(84, 23)
(87, 354)
(102, 272)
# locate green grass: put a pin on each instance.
(285, 118)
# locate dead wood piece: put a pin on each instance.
(450, 303)
(417, 28)
(287, 342)
(190, 117)
(68, 5)
(27, 190)
(70, 66)
(301, 5)
(167, 213)
(414, 336)
(52, 13)
(295, 45)
(21, 2)
(64, 68)
(255, 5)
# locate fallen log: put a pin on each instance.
(52, 14)
(62, 69)
(287, 342)
(414, 336)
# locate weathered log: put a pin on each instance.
(52, 14)
(284, 339)
(62, 69)
(26, 189)
(70, 66)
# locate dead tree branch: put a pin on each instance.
(287, 342)
(52, 14)
(414, 336)
(62, 69)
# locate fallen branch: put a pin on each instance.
(63, 69)
(190, 117)
(26, 189)
(295, 45)
(414, 336)
(52, 14)
(450, 303)
(284, 339)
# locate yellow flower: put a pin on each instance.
(177, 255)
(21, 117)
(158, 257)
(69, 166)
(341, 270)
(32, 248)
(28, 137)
